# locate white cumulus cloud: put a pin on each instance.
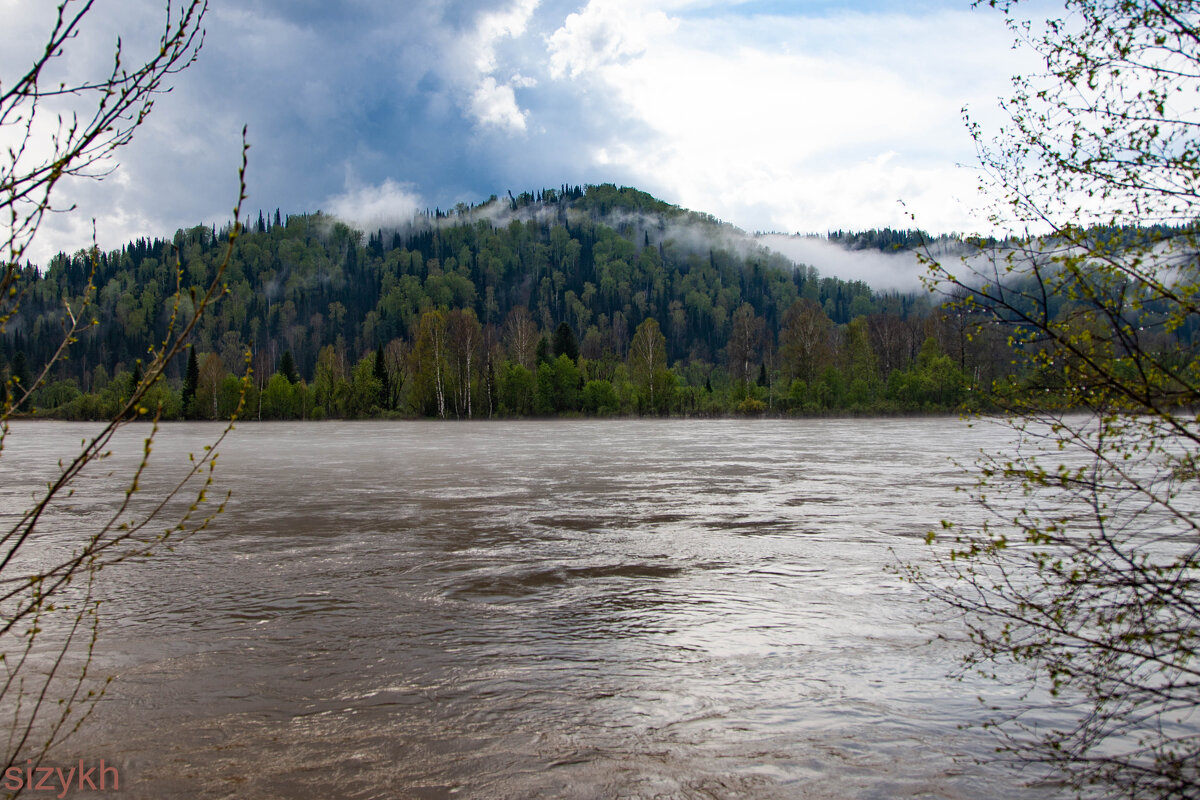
(495, 104)
(492, 102)
(605, 32)
(494, 26)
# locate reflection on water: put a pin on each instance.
(544, 609)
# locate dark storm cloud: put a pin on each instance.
(336, 95)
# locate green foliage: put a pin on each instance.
(229, 396)
(58, 394)
(516, 389)
(558, 384)
(365, 389)
(933, 382)
(648, 369)
(600, 399)
(278, 399)
(430, 365)
(20, 382)
(564, 342)
(380, 373)
(191, 381)
(287, 367)
(542, 353)
(160, 401)
(1086, 569)
(751, 406)
(446, 304)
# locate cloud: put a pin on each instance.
(496, 105)
(130, 192)
(605, 32)
(322, 93)
(881, 271)
(805, 124)
(807, 118)
(386, 205)
(492, 27)
(493, 103)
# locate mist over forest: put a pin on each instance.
(470, 312)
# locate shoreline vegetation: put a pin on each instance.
(559, 389)
(833, 414)
(592, 301)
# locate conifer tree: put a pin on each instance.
(287, 367)
(191, 380)
(381, 375)
(564, 342)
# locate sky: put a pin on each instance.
(802, 116)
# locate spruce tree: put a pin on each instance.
(287, 367)
(381, 374)
(191, 380)
(135, 380)
(564, 342)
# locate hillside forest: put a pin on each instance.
(590, 300)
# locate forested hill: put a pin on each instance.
(593, 264)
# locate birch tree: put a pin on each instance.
(1085, 571)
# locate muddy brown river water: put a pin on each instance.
(566, 609)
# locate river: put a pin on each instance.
(568, 609)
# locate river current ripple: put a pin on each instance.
(568, 609)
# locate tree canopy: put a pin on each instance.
(578, 268)
(1086, 571)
